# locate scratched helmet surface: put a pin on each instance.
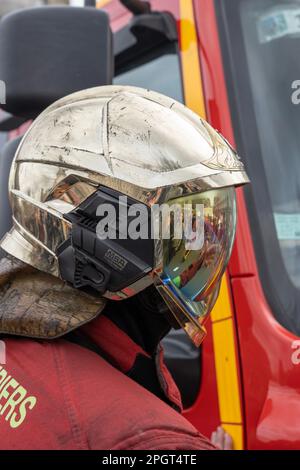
(111, 140)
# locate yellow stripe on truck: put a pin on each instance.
(102, 3)
(222, 316)
(191, 74)
(226, 366)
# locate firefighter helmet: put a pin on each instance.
(109, 144)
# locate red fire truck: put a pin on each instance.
(236, 64)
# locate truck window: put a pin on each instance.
(260, 41)
(7, 6)
(159, 71)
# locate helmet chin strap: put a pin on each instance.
(143, 317)
(152, 301)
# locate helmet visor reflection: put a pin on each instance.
(193, 264)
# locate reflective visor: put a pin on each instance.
(193, 264)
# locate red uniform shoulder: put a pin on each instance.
(58, 395)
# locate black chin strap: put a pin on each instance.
(142, 318)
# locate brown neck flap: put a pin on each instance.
(38, 305)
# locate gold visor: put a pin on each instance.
(194, 263)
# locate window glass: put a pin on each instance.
(7, 6)
(272, 40)
(260, 41)
(158, 71)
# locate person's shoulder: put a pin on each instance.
(120, 414)
(105, 409)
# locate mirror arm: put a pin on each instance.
(137, 7)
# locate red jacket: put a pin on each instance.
(59, 395)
